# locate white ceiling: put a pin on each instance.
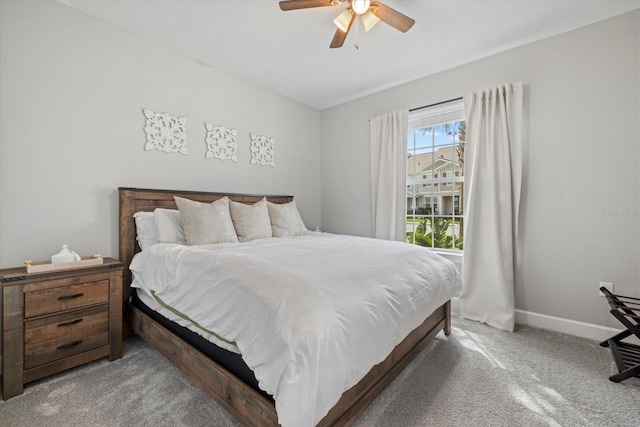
(288, 52)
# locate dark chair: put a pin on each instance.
(626, 355)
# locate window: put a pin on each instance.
(435, 176)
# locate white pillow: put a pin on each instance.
(146, 231)
(206, 223)
(250, 221)
(286, 220)
(169, 226)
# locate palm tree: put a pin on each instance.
(432, 233)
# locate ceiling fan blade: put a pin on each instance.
(338, 39)
(392, 17)
(340, 36)
(303, 4)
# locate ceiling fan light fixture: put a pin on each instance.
(343, 20)
(370, 11)
(360, 6)
(369, 20)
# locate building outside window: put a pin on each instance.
(435, 177)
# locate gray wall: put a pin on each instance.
(72, 130)
(580, 200)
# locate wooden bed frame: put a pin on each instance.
(240, 400)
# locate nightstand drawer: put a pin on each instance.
(51, 327)
(46, 351)
(57, 299)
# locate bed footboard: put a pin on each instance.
(236, 397)
(250, 407)
(355, 400)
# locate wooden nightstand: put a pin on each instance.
(58, 320)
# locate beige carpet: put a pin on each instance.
(478, 376)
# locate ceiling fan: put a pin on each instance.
(370, 13)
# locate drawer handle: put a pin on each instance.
(73, 322)
(69, 345)
(67, 297)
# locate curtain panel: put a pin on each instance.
(388, 135)
(493, 175)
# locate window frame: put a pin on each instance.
(449, 112)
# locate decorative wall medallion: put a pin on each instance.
(165, 133)
(221, 143)
(262, 150)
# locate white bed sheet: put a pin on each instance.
(311, 315)
(150, 302)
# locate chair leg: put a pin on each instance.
(616, 337)
(627, 373)
(627, 359)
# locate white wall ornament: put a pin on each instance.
(262, 150)
(165, 133)
(221, 143)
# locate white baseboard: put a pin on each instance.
(556, 324)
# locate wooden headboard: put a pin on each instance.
(134, 200)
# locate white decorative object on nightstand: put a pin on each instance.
(65, 255)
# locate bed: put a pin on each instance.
(232, 387)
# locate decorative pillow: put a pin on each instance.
(286, 220)
(146, 232)
(169, 226)
(250, 221)
(206, 223)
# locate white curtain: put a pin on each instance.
(493, 174)
(389, 174)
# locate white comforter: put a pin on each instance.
(311, 315)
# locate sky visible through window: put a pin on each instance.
(423, 141)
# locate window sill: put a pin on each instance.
(455, 257)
